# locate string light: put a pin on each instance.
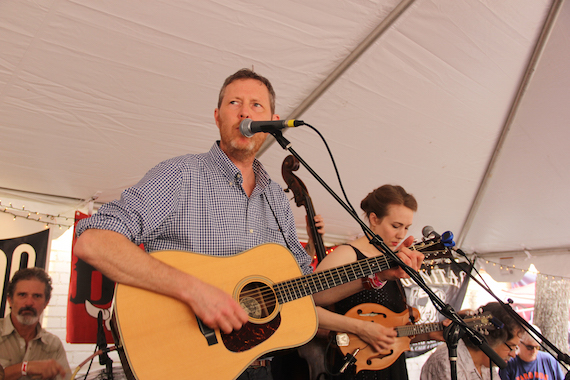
(536, 272)
(54, 220)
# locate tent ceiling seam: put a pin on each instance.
(529, 72)
(350, 59)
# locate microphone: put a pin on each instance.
(249, 127)
(446, 238)
(429, 233)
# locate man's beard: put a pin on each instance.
(28, 319)
(243, 153)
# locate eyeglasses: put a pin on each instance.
(511, 348)
(531, 348)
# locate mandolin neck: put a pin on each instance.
(410, 330)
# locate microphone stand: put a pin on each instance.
(445, 309)
(104, 358)
(452, 334)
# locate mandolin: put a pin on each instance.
(369, 359)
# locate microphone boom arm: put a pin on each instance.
(445, 309)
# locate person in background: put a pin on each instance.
(26, 349)
(472, 363)
(530, 363)
(390, 211)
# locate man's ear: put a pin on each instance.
(216, 117)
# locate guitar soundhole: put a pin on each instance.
(260, 303)
(258, 300)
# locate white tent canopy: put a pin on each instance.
(462, 102)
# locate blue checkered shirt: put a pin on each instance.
(196, 203)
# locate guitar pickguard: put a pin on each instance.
(250, 335)
(258, 299)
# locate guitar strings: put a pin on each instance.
(267, 295)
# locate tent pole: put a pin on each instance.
(531, 68)
(343, 66)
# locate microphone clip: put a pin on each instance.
(349, 359)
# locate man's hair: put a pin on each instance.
(510, 329)
(248, 74)
(529, 337)
(28, 274)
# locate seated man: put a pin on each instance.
(26, 349)
(531, 363)
(472, 363)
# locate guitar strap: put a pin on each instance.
(277, 221)
(403, 293)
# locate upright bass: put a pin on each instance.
(302, 198)
(306, 362)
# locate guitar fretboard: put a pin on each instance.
(299, 287)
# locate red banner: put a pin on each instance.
(89, 293)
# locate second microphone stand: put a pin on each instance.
(458, 327)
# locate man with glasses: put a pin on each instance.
(472, 363)
(530, 363)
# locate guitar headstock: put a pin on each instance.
(483, 322)
(433, 249)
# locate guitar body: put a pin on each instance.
(367, 357)
(162, 339)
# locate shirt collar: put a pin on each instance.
(232, 173)
(8, 328)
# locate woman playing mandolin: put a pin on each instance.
(390, 211)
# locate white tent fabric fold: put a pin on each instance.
(92, 95)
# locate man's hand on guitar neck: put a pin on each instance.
(217, 309)
(412, 258)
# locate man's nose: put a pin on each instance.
(244, 112)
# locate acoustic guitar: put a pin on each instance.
(161, 338)
(369, 359)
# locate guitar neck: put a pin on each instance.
(299, 287)
(409, 330)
